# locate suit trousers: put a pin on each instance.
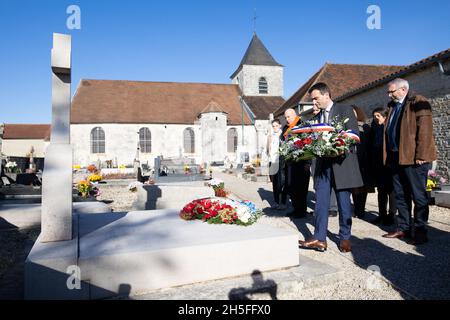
(324, 184)
(410, 186)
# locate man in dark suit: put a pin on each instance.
(297, 174)
(409, 149)
(339, 173)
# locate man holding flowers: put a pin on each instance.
(340, 173)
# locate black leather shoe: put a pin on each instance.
(296, 215)
(332, 213)
(420, 237)
(377, 220)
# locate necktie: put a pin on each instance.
(324, 116)
(393, 125)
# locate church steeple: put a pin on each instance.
(259, 73)
(256, 55)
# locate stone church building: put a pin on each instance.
(119, 121)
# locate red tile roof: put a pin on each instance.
(263, 106)
(117, 101)
(26, 131)
(340, 78)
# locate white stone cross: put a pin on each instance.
(57, 175)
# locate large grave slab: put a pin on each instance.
(142, 251)
(150, 250)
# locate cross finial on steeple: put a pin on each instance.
(254, 21)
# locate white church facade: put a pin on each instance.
(118, 121)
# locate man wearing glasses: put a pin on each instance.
(409, 150)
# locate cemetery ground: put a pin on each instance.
(378, 268)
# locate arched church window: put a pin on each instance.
(97, 140)
(232, 140)
(263, 88)
(145, 140)
(189, 140)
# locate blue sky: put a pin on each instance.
(202, 41)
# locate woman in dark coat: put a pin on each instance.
(382, 174)
(360, 194)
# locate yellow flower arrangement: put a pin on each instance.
(84, 187)
(430, 185)
(122, 166)
(95, 177)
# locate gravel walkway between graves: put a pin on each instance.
(400, 271)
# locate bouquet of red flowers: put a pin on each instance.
(221, 210)
(308, 141)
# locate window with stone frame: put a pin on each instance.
(97, 140)
(189, 140)
(263, 87)
(145, 140)
(232, 140)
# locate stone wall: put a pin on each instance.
(441, 126)
(431, 83)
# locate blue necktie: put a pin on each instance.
(393, 126)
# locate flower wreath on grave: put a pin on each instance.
(218, 210)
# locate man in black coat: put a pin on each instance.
(339, 173)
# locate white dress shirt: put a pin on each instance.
(325, 114)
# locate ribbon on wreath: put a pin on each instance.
(320, 127)
(350, 134)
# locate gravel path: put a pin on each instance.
(400, 271)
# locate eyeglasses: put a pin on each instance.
(392, 91)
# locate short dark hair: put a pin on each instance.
(276, 120)
(322, 87)
(381, 110)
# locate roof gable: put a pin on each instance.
(213, 107)
(263, 106)
(438, 57)
(340, 78)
